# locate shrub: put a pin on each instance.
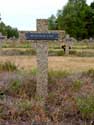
(77, 85)
(14, 87)
(86, 106)
(90, 72)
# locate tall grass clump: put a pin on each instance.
(34, 71)
(14, 86)
(8, 66)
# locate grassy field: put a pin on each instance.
(72, 64)
(79, 49)
(70, 99)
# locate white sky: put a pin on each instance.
(23, 13)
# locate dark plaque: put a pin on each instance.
(41, 36)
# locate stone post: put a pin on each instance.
(42, 61)
(67, 41)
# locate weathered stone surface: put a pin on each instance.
(68, 44)
(42, 25)
(42, 61)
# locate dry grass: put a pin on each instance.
(23, 49)
(73, 64)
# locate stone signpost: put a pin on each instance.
(68, 44)
(42, 61)
(41, 38)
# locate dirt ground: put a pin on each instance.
(73, 64)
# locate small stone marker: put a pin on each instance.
(41, 38)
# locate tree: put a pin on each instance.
(52, 24)
(8, 31)
(12, 32)
(73, 18)
(0, 16)
(92, 5)
(59, 20)
(90, 20)
(76, 18)
(3, 29)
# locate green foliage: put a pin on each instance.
(82, 53)
(23, 45)
(8, 66)
(56, 52)
(34, 71)
(52, 23)
(8, 31)
(89, 22)
(72, 52)
(14, 86)
(12, 32)
(60, 53)
(3, 28)
(77, 85)
(92, 5)
(12, 52)
(57, 74)
(59, 20)
(24, 105)
(76, 18)
(5, 45)
(90, 72)
(73, 18)
(86, 106)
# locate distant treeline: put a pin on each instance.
(76, 18)
(8, 31)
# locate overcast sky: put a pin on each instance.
(23, 13)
